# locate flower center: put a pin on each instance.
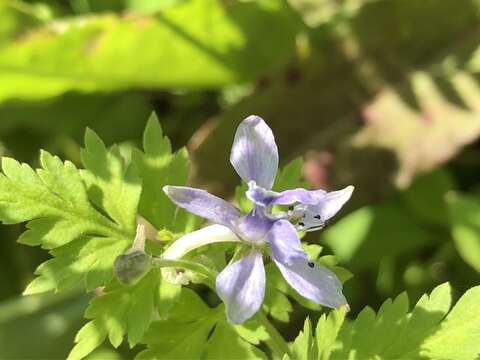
(254, 226)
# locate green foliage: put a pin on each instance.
(430, 331)
(43, 319)
(118, 312)
(104, 64)
(193, 330)
(375, 231)
(83, 54)
(83, 241)
(159, 167)
(465, 218)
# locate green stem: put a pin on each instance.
(278, 345)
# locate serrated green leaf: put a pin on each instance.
(225, 343)
(158, 167)
(111, 183)
(327, 330)
(120, 311)
(82, 240)
(457, 336)
(423, 333)
(86, 261)
(304, 346)
(185, 334)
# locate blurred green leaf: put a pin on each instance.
(374, 232)
(30, 325)
(199, 43)
(150, 6)
(426, 196)
(464, 213)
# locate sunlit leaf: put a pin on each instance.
(191, 44)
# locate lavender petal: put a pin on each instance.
(241, 286)
(313, 281)
(284, 242)
(254, 152)
(204, 204)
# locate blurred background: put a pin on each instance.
(381, 94)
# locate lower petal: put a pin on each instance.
(284, 242)
(241, 286)
(313, 281)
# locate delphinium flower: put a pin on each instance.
(241, 285)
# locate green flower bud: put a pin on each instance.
(130, 267)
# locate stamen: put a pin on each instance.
(311, 264)
(301, 224)
(317, 217)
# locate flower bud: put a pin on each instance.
(130, 267)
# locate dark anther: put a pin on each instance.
(290, 207)
(311, 264)
(317, 217)
(301, 224)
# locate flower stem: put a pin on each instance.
(277, 343)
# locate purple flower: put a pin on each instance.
(241, 285)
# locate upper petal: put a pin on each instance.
(284, 242)
(204, 204)
(313, 281)
(254, 152)
(241, 286)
